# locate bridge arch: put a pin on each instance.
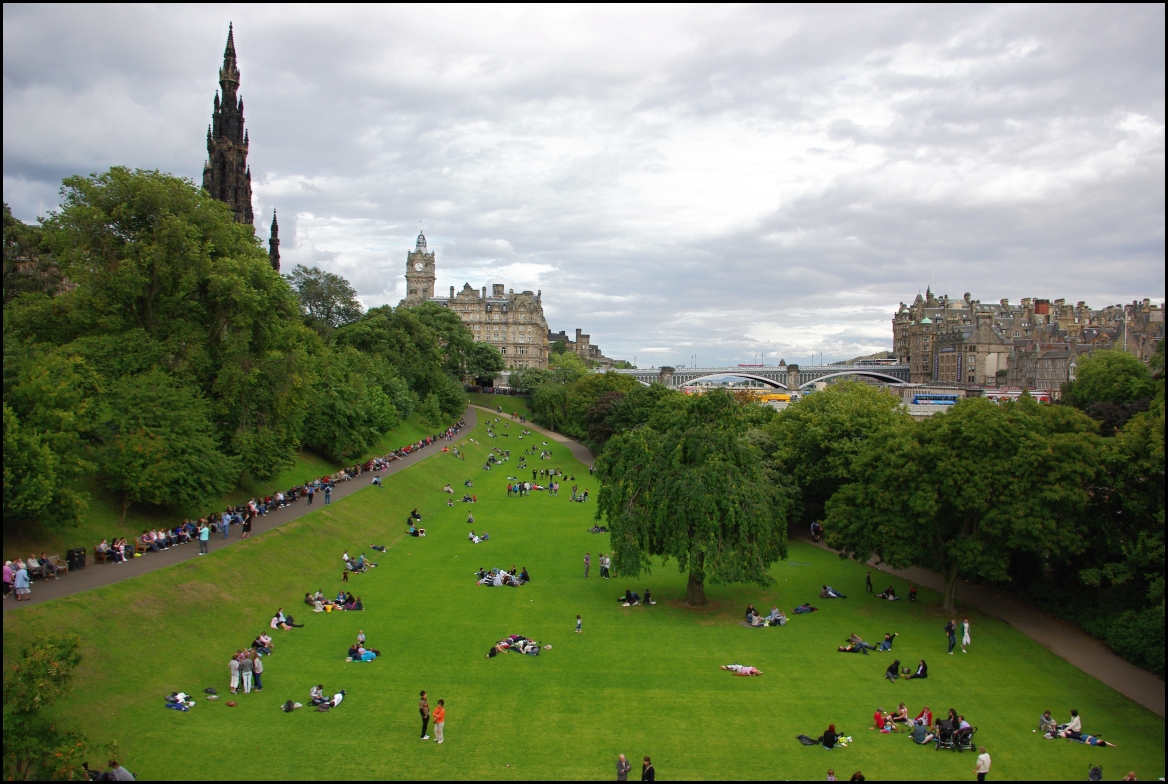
(768, 381)
(869, 373)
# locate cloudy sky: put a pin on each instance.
(722, 182)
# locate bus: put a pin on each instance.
(775, 397)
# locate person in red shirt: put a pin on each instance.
(878, 720)
(925, 717)
(439, 720)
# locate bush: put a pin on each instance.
(1139, 638)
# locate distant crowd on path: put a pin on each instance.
(19, 574)
(120, 550)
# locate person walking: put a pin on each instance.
(951, 632)
(257, 669)
(311, 493)
(246, 671)
(440, 721)
(245, 530)
(204, 537)
(587, 563)
(648, 772)
(982, 769)
(868, 584)
(328, 495)
(622, 768)
(234, 665)
(226, 524)
(21, 581)
(964, 635)
(424, 710)
(579, 623)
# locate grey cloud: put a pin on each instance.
(628, 156)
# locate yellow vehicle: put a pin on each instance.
(775, 397)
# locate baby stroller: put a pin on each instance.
(963, 739)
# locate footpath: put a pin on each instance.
(578, 450)
(1059, 637)
(96, 575)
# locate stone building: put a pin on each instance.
(226, 175)
(513, 323)
(582, 347)
(1033, 344)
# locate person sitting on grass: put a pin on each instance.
(630, 598)
(742, 669)
(887, 644)
(901, 715)
(360, 653)
(922, 734)
(309, 600)
(880, 721)
(889, 594)
(355, 604)
(316, 695)
(925, 716)
(524, 577)
(448, 489)
(830, 593)
(830, 737)
(263, 644)
(415, 531)
(922, 671)
(892, 673)
(1046, 723)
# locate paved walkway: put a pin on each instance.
(1059, 637)
(579, 451)
(95, 575)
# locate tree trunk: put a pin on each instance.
(949, 600)
(695, 591)
(125, 505)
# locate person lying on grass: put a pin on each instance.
(830, 593)
(514, 642)
(742, 669)
(889, 593)
(359, 652)
(856, 640)
(887, 644)
(630, 598)
(448, 489)
(805, 608)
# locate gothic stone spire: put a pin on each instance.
(274, 244)
(226, 175)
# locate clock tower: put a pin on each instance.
(419, 274)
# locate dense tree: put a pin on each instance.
(963, 491)
(484, 362)
(694, 488)
(36, 747)
(817, 440)
(326, 299)
(1114, 377)
(28, 265)
(161, 446)
(457, 341)
(585, 392)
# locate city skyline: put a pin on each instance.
(734, 182)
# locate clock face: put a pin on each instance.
(418, 266)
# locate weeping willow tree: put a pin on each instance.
(692, 485)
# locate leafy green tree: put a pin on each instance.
(353, 403)
(161, 447)
(584, 392)
(28, 265)
(1109, 377)
(963, 491)
(559, 347)
(527, 379)
(485, 362)
(430, 411)
(695, 490)
(326, 299)
(457, 341)
(35, 746)
(566, 368)
(818, 438)
(398, 336)
(623, 364)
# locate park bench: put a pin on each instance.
(99, 555)
(61, 566)
(139, 545)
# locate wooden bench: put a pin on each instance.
(62, 567)
(139, 545)
(99, 555)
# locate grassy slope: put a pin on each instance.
(509, 403)
(103, 518)
(638, 681)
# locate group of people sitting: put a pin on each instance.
(894, 671)
(357, 565)
(632, 598)
(514, 642)
(496, 578)
(477, 538)
(284, 622)
(775, 617)
(317, 697)
(856, 644)
(951, 730)
(1071, 730)
(344, 601)
(358, 652)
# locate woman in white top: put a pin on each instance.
(964, 635)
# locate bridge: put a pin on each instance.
(786, 377)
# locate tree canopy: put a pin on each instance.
(326, 299)
(695, 489)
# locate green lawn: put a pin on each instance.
(103, 518)
(638, 680)
(509, 403)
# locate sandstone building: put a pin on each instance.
(513, 323)
(1033, 344)
(582, 347)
